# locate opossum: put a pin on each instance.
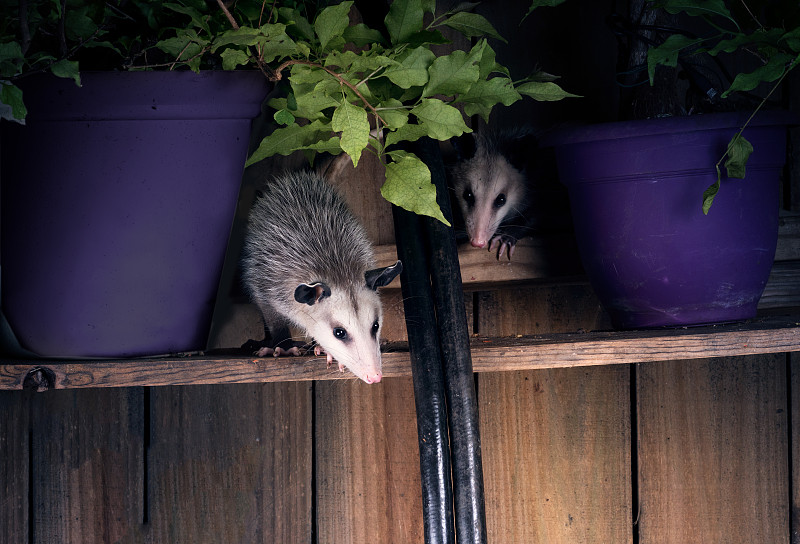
(492, 182)
(307, 261)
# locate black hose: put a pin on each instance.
(428, 377)
(465, 441)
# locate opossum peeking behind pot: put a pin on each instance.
(307, 261)
(493, 182)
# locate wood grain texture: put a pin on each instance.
(14, 467)
(713, 452)
(230, 464)
(556, 450)
(556, 442)
(774, 334)
(794, 388)
(87, 466)
(368, 479)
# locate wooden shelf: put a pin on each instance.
(774, 334)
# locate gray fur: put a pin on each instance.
(494, 164)
(307, 261)
(301, 231)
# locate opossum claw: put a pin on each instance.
(341, 367)
(329, 359)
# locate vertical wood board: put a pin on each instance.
(556, 443)
(230, 464)
(368, 479)
(713, 452)
(14, 467)
(87, 465)
(557, 455)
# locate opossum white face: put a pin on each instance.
(488, 189)
(346, 321)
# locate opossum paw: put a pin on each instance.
(294, 351)
(503, 244)
(264, 352)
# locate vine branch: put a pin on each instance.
(278, 76)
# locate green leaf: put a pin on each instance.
(67, 69)
(296, 23)
(331, 23)
(792, 39)
(412, 71)
(484, 94)
(11, 97)
(284, 141)
(242, 36)
(696, 7)
(667, 53)
(441, 120)
(406, 133)
(408, 185)
(361, 35)
(542, 3)
(11, 59)
(404, 19)
(78, 25)
(231, 58)
(544, 91)
(454, 73)
(394, 113)
(739, 151)
(710, 193)
(283, 117)
(353, 123)
(472, 25)
(198, 19)
(774, 69)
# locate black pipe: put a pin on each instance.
(465, 442)
(428, 377)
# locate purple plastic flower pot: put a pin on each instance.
(653, 258)
(117, 203)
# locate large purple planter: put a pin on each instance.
(117, 203)
(651, 255)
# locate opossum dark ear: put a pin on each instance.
(380, 277)
(311, 293)
(464, 146)
(522, 150)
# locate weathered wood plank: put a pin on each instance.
(556, 452)
(794, 407)
(87, 466)
(14, 468)
(368, 479)
(556, 442)
(713, 452)
(774, 334)
(230, 464)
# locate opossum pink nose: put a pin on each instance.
(477, 243)
(375, 378)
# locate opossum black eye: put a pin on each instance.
(375, 327)
(500, 201)
(340, 333)
(469, 198)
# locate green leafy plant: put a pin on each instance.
(350, 87)
(775, 45)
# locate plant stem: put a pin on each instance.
(227, 13)
(342, 81)
(758, 108)
(25, 31)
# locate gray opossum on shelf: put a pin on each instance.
(307, 261)
(505, 186)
